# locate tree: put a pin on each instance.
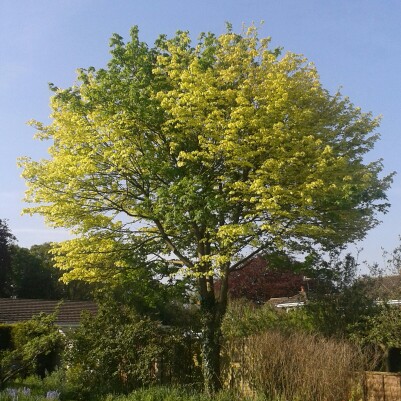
(33, 275)
(201, 156)
(6, 241)
(31, 279)
(341, 302)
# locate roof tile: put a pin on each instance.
(17, 310)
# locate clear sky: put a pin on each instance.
(355, 44)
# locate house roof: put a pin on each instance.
(17, 310)
(385, 287)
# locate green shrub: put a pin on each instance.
(32, 340)
(118, 351)
(244, 318)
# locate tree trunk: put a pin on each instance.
(212, 313)
(211, 337)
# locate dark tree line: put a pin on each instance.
(7, 239)
(29, 273)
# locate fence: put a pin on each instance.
(381, 386)
(378, 386)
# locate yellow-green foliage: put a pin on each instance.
(201, 150)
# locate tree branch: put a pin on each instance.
(170, 244)
(240, 264)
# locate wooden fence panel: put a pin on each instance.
(381, 386)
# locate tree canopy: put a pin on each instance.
(7, 239)
(207, 152)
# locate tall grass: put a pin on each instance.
(296, 366)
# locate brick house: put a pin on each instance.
(260, 283)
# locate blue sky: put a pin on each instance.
(355, 44)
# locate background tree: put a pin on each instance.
(139, 289)
(33, 275)
(207, 152)
(6, 241)
(31, 278)
(342, 302)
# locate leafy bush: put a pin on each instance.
(118, 351)
(345, 313)
(340, 302)
(244, 318)
(31, 340)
